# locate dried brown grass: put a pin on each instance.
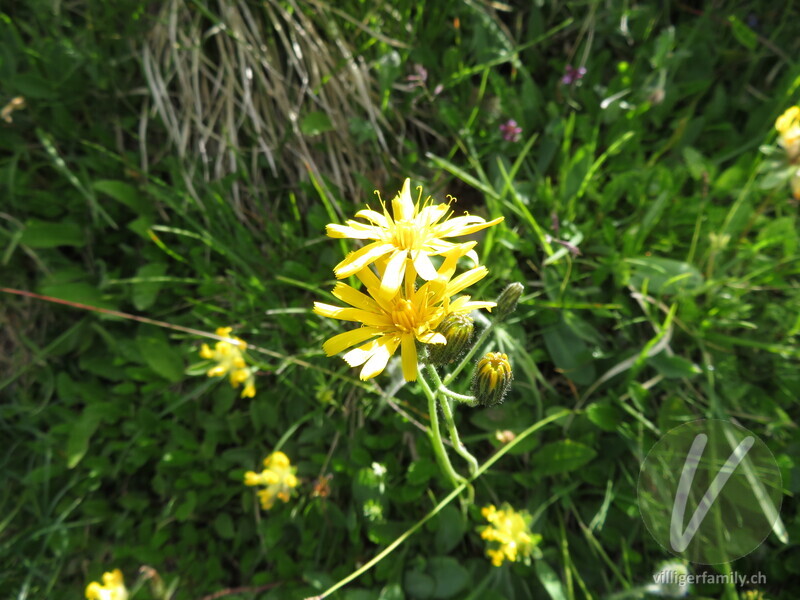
(232, 81)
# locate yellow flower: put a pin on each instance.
(412, 233)
(230, 361)
(113, 587)
(509, 534)
(788, 126)
(410, 315)
(278, 476)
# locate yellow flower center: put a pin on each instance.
(406, 235)
(404, 316)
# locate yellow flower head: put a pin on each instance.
(508, 534)
(113, 587)
(788, 126)
(230, 361)
(278, 476)
(412, 314)
(411, 235)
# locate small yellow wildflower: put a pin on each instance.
(509, 534)
(230, 361)
(788, 126)
(411, 315)
(279, 477)
(411, 236)
(113, 587)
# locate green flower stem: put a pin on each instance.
(478, 343)
(436, 434)
(463, 398)
(451, 424)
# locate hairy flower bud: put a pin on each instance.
(492, 379)
(507, 301)
(458, 329)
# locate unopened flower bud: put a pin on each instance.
(492, 379)
(507, 301)
(458, 329)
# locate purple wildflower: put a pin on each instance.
(571, 75)
(420, 75)
(510, 130)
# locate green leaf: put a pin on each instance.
(80, 433)
(159, 355)
(420, 471)
(449, 576)
(451, 529)
(223, 524)
(694, 162)
(674, 367)
(550, 581)
(144, 293)
(393, 591)
(186, 507)
(45, 234)
(80, 292)
(605, 415)
(664, 275)
(570, 353)
(125, 194)
(420, 585)
(743, 34)
(316, 123)
(562, 456)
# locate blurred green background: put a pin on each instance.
(179, 160)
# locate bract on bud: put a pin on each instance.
(458, 329)
(492, 379)
(507, 301)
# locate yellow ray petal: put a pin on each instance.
(464, 225)
(342, 341)
(377, 362)
(355, 261)
(432, 337)
(409, 357)
(353, 297)
(374, 217)
(358, 356)
(403, 205)
(354, 230)
(465, 280)
(431, 214)
(351, 314)
(424, 266)
(393, 275)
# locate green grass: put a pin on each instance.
(682, 303)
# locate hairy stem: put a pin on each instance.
(451, 424)
(435, 434)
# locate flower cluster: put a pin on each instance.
(508, 534)
(397, 310)
(230, 361)
(278, 476)
(511, 131)
(113, 587)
